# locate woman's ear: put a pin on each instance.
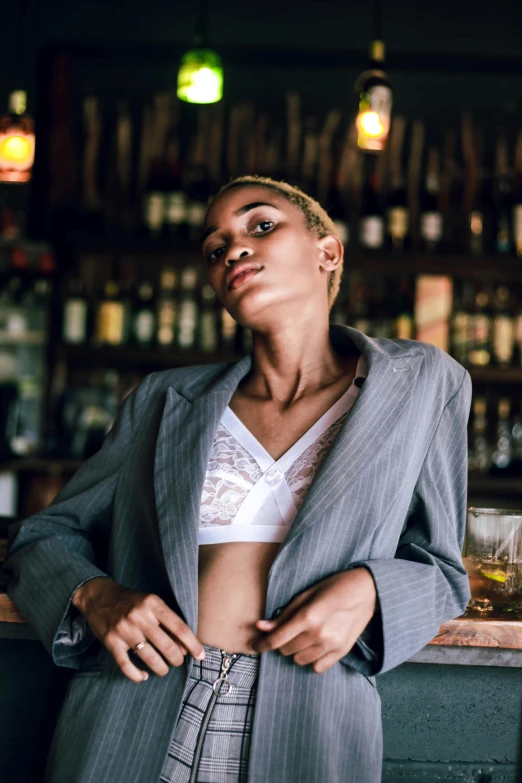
(331, 251)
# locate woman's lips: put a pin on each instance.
(242, 278)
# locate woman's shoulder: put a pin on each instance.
(437, 365)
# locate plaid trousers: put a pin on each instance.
(211, 740)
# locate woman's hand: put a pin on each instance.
(121, 618)
(321, 624)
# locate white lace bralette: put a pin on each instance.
(249, 496)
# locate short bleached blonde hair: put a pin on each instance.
(316, 218)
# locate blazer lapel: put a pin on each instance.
(185, 436)
(188, 425)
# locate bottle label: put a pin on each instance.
(144, 326)
(504, 338)
(155, 211)
(372, 231)
(208, 335)
(111, 322)
(343, 232)
(503, 240)
(517, 223)
(196, 214)
(380, 99)
(398, 222)
(431, 226)
(188, 315)
(75, 321)
(404, 327)
(176, 209)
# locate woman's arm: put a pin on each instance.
(426, 584)
(53, 552)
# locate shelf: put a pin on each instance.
(140, 357)
(40, 465)
(496, 374)
(150, 357)
(26, 338)
(482, 484)
(459, 265)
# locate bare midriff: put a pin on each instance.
(233, 576)
(232, 592)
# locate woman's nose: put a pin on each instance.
(236, 253)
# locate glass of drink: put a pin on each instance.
(493, 560)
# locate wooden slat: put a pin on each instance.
(8, 611)
(462, 632)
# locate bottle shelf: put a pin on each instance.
(486, 267)
(496, 375)
(164, 358)
(40, 465)
(484, 484)
(124, 355)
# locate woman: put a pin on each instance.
(254, 542)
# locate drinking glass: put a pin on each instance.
(493, 559)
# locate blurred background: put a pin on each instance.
(101, 275)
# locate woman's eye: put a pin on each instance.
(212, 256)
(268, 223)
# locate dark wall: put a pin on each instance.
(481, 39)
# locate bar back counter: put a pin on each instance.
(451, 713)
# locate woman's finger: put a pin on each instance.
(309, 655)
(166, 645)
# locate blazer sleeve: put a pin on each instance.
(426, 583)
(52, 553)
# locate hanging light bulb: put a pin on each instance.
(200, 75)
(375, 96)
(17, 140)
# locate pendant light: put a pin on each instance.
(17, 139)
(200, 75)
(374, 91)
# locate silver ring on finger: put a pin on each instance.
(139, 646)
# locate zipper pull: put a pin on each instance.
(226, 662)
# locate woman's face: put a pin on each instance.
(261, 257)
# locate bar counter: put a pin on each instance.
(465, 640)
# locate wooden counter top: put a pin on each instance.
(462, 632)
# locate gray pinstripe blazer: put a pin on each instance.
(391, 495)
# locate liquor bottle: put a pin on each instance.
(75, 313)
(503, 206)
(336, 208)
(167, 313)
(229, 332)
(143, 315)
(517, 200)
(481, 329)
(17, 140)
(198, 184)
(371, 218)
(431, 224)
(111, 323)
(516, 439)
(92, 127)
(208, 322)
(188, 309)
(479, 457)
(503, 327)
(155, 201)
(462, 320)
(502, 453)
(518, 329)
(397, 212)
(176, 198)
(375, 101)
(404, 326)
